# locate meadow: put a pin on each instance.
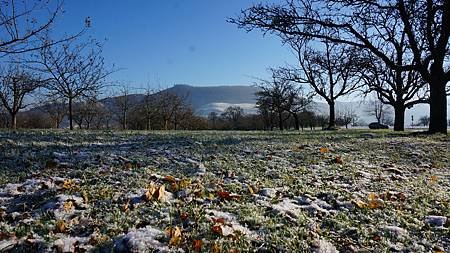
(224, 191)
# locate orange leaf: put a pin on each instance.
(197, 245)
(324, 150)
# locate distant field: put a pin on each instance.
(212, 191)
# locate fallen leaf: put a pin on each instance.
(148, 195)
(218, 220)
(324, 150)
(170, 179)
(197, 245)
(250, 189)
(338, 160)
(128, 165)
(60, 226)
(374, 201)
(224, 195)
(217, 229)
(126, 207)
(175, 236)
(433, 179)
(215, 248)
(184, 216)
(161, 193)
(68, 184)
(359, 203)
(68, 206)
(85, 197)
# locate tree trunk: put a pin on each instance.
(438, 102)
(14, 120)
(399, 118)
(296, 121)
(70, 113)
(332, 120)
(280, 121)
(166, 124)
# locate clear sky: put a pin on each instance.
(177, 41)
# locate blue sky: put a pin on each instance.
(177, 41)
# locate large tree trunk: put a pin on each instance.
(70, 113)
(296, 121)
(438, 102)
(332, 120)
(14, 120)
(399, 118)
(280, 121)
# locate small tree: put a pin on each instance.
(15, 85)
(379, 110)
(233, 114)
(56, 108)
(332, 73)
(74, 69)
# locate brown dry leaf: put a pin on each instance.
(160, 194)
(324, 150)
(68, 206)
(224, 195)
(218, 220)
(68, 184)
(128, 165)
(338, 160)
(375, 201)
(148, 195)
(85, 197)
(233, 251)
(126, 207)
(215, 248)
(60, 226)
(184, 183)
(175, 236)
(170, 179)
(197, 245)
(217, 229)
(359, 203)
(250, 189)
(433, 179)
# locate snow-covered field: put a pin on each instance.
(351, 191)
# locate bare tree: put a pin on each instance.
(168, 105)
(15, 84)
(88, 113)
(346, 117)
(233, 114)
(379, 110)
(123, 106)
(371, 25)
(277, 95)
(74, 70)
(24, 23)
(56, 108)
(332, 73)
